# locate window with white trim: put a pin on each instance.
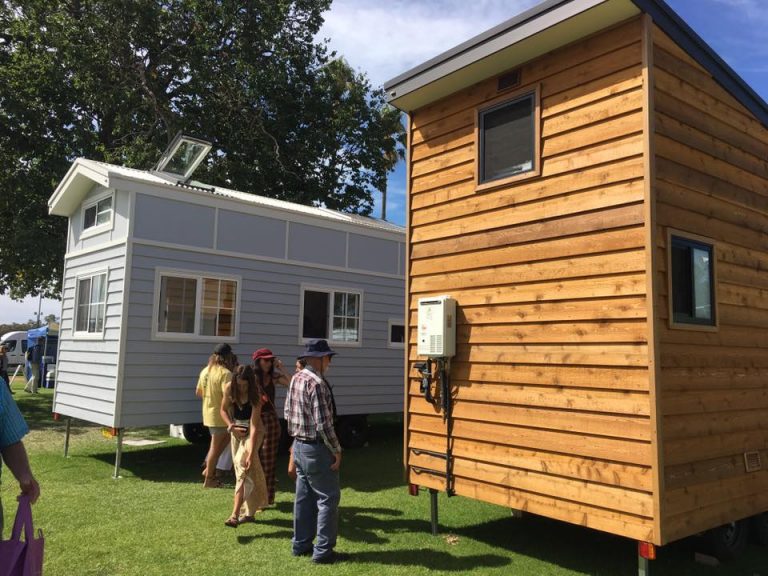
(196, 305)
(98, 213)
(91, 303)
(396, 331)
(331, 314)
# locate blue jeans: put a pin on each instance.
(316, 508)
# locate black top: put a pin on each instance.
(242, 412)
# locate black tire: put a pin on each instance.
(352, 431)
(759, 529)
(195, 433)
(728, 541)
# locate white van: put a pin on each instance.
(16, 343)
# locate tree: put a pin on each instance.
(114, 80)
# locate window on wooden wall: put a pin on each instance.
(692, 281)
(332, 314)
(91, 296)
(507, 134)
(196, 306)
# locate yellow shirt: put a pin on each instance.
(211, 382)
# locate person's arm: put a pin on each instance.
(254, 431)
(323, 414)
(226, 405)
(291, 464)
(279, 375)
(15, 457)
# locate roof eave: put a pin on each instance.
(78, 180)
(420, 85)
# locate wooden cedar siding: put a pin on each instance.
(552, 411)
(712, 180)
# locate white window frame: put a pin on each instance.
(395, 322)
(86, 335)
(331, 290)
(98, 228)
(195, 336)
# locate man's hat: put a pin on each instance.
(317, 349)
(264, 353)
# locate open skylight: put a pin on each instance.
(182, 156)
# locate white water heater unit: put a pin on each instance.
(437, 327)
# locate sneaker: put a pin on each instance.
(331, 558)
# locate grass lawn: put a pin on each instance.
(158, 520)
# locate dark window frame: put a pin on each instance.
(532, 93)
(687, 318)
(331, 315)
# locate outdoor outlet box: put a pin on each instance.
(437, 327)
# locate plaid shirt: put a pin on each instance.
(308, 409)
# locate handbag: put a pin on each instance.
(22, 557)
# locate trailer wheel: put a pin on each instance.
(352, 431)
(759, 529)
(195, 433)
(728, 541)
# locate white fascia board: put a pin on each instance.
(78, 180)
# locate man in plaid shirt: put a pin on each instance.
(316, 453)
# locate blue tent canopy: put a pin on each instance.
(47, 338)
(35, 333)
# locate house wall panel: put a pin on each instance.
(549, 274)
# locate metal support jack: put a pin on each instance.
(66, 438)
(643, 566)
(118, 453)
(433, 509)
(646, 551)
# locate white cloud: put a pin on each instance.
(385, 39)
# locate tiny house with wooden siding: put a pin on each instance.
(589, 182)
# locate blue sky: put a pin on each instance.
(384, 39)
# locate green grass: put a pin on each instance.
(158, 520)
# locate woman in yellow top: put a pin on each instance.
(210, 387)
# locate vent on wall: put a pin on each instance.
(508, 80)
(752, 461)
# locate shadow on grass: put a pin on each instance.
(440, 562)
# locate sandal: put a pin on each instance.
(247, 519)
(232, 522)
(212, 483)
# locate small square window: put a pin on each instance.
(98, 213)
(396, 334)
(693, 293)
(507, 139)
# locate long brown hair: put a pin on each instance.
(244, 372)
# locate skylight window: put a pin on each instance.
(182, 156)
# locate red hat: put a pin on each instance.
(265, 353)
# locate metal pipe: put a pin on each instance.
(433, 509)
(119, 453)
(66, 438)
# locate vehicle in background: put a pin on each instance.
(16, 343)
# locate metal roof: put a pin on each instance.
(543, 28)
(84, 173)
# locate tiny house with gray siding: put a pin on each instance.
(156, 273)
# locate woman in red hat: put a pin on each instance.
(269, 371)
